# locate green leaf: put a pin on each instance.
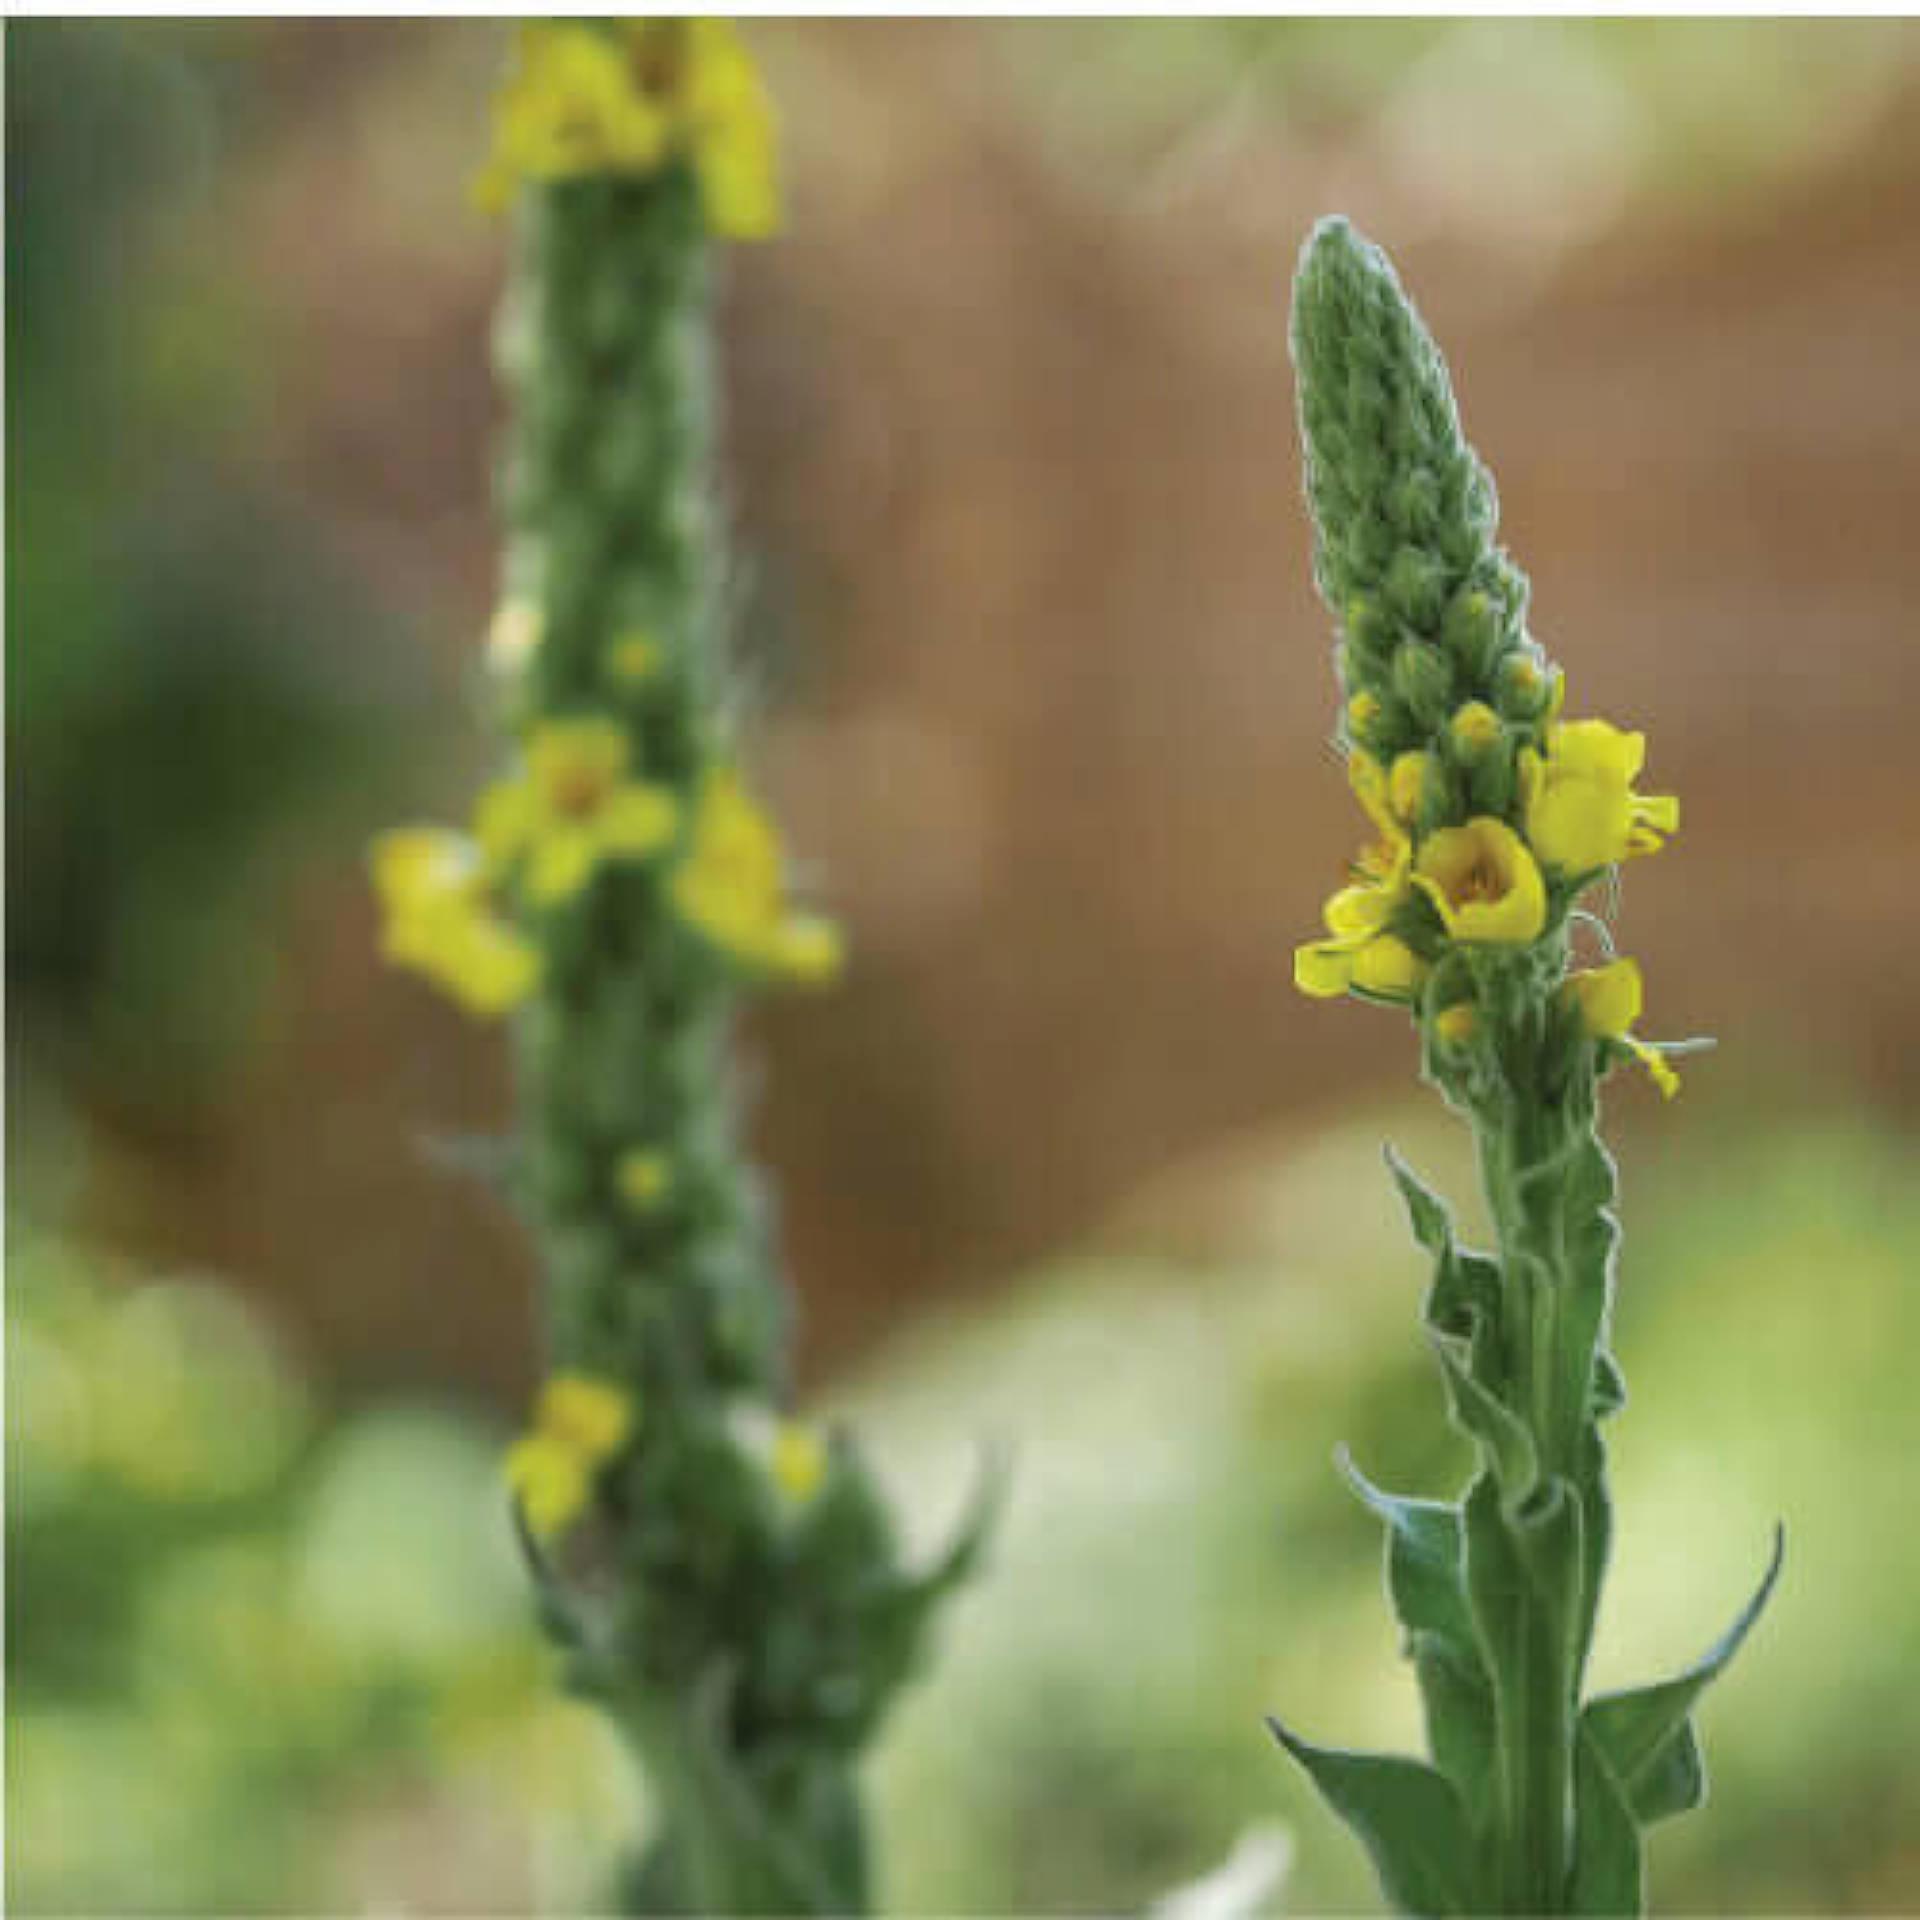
(1423, 1559)
(1609, 1868)
(1405, 1814)
(1644, 1733)
(1430, 1216)
(1500, 1434)
(1426, 1583)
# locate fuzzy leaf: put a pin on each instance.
(1500, 1434)
(1609, 1867)
(1645, 1735)
(1431, 1218)
(1426, 1583)
(1405, 1814)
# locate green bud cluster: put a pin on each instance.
(1431, 612)
(747, 1643)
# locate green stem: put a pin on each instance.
(1522, 1153)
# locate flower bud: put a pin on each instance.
(1371, 634)
(1523, 688)
(1416, 588)
(1455, 1026)
(1424, 681)
(1407, 783)
(1475, 731)
(1472, 632)
(1363, 716)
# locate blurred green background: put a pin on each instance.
(1066, 1167)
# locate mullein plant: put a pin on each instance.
(720, 1576)
(1498, 826)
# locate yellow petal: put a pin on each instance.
(798, 1461)
(562, 864)
(808, 947)
(1388, 967)
(549, 1482)
(1484, 883)
(638, 819)
(1658, 1071)
(504, 818)
(592, 1417)
(1323, 970)
(1609, 998)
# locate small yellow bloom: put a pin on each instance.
(571, 105)
(439, 920)
(634, 659)
(549, 1483)
(1475, 728)
(730, 125)
(1483, 882)
(1581, 810)
(1406, 783)
(579, 1424)
(1609, 1001)
(732, 889)
(798, 1463)
(1363, 710)
(1454, 1026)
(643, 1177)
(572, 807)
(583, 100)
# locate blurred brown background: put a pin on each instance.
(1017, 484)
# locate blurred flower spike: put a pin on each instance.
(632, 98)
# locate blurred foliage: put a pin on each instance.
(293, 1655)
(188, 669)
(238, 1635)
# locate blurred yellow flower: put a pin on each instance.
(572, 104)
(572, 807)
(643, 1177)
(1581, 810)
(731, 888)
(1609, 1001)
(1483, 882)
(439, 920)
(1454, 1026)
(579, 1424)
(1406, 783)
(634, 659)
(584, 99)
(798, 1461)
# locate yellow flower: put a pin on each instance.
(571, 105)
(1454, 1026)
(731, 887)
(583, 100)
(579, 1424)
(573, 807)
(643, 1177)
(1581, 810)
(799, 1462)
(792, 1453)
(1362, 711)
(1609, 1001)
(634, 659)
(730, 126)
(1483, 882)
(549, 1484)
(436, 902)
